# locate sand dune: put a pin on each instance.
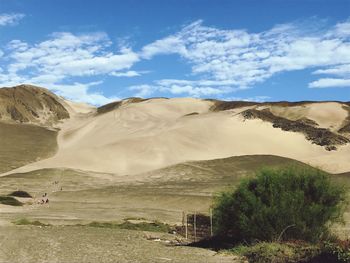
(329, 115)
(151, 134)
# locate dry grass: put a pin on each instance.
(21, 144)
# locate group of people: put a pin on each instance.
(44, 199)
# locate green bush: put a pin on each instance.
(266, 252)
(280, 204)
(340, 250)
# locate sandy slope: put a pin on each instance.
(329, 115)
(139, 137)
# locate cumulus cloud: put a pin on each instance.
(143, 90)
(128, 74)
(221, 61)
(10, 19)
(342, 29)
(330, 83)
(341, 70)
(64, 56)
(236, 59)
(254, 98)
(79, 92)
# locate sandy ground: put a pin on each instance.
(140, 137)
(160, 195)
(87, 244)
(115, 156)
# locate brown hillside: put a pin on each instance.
(30, 104)
(21, 144)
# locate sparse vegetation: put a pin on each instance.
(191, 114)
(335, 251)
(142, 226)
(18, 148)
(280, 204)
(9, 200)
(20, 193)
(25, 221)
(267, 252)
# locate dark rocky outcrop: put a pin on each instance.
(230, 105)
(346, 126)
(319, 136)
(116, 104)
(220, 105)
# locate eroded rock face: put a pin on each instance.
(345, 129)
(230, 105)
(116, 104)
(319, 136)
(30, 104)
(219, 105)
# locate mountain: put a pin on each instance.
(31, 104)
(28, 118)
(137, 135)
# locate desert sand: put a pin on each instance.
(155, 133)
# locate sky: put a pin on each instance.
(101, 51)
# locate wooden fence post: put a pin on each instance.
(186, 226)
(211, 221)
(183, 218)
(195, 226)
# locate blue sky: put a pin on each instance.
(100, 51)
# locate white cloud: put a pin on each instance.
(221, 61)
(54, 62)
(10, 19)
(330, 83)
(237, 59)
(71, 55)
(167, 45)
(341, 70)
(128, 74)
(196, 91)
(254, 98)
(342, 29)
(79, 92)
(144, 90)
(180, 87)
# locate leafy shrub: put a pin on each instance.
(288, 203)
(339, 250)
(266, 252)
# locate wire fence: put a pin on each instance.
(196, 225)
